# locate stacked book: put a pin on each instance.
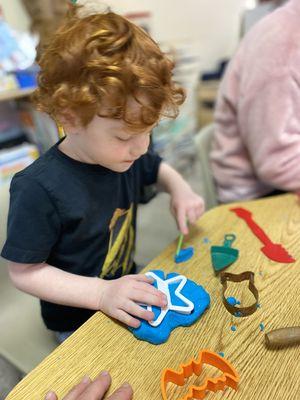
(15, 159)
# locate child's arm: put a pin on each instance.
(117, 298)
(185, 204)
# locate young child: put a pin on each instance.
(72, 217)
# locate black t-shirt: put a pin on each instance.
(77, 217)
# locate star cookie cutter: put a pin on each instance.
(163, 286)
(229, 377)
(244, 276)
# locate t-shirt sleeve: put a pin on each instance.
(33, 222)
(149, 165)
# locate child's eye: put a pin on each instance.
(123, 139)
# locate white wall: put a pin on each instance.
(15, 14)
(214, 23)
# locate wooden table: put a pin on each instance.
(265, 374)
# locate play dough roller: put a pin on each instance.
(283, 337)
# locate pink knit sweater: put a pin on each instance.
(257, 118)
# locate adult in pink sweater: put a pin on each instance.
(256, 149)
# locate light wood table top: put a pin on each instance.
(265, 374)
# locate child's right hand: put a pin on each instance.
(120, 299)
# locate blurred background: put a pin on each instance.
(201, 36)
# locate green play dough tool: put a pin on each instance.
(223, 256)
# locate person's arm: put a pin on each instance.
(270, 127)
(95, 390)
(56, 286)
(34, 227)
(186, 205)
(119, 298)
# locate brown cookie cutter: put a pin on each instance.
(244, 276)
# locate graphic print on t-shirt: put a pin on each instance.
(121, 244)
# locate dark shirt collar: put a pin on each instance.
(56, 152)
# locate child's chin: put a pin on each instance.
(122, 167)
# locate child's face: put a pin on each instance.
(108, 142)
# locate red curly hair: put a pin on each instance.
(93, 65)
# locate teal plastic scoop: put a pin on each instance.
(223, 256)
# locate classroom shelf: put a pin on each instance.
(15, 94)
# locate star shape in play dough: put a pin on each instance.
(163, 286)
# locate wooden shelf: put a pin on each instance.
(208, 90)
(15, 94)
(207, 95)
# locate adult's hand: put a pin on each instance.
(95, 389)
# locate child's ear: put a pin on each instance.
(70, 122)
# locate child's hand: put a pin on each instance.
(186, 206)
(120, 299)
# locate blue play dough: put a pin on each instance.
(173, 319)
(232, 301)
(238, 314)
(184, 255)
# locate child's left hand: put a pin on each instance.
(186, 206)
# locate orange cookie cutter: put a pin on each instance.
(229, 378)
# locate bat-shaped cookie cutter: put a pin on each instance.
(244, 276)
(229, 377)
